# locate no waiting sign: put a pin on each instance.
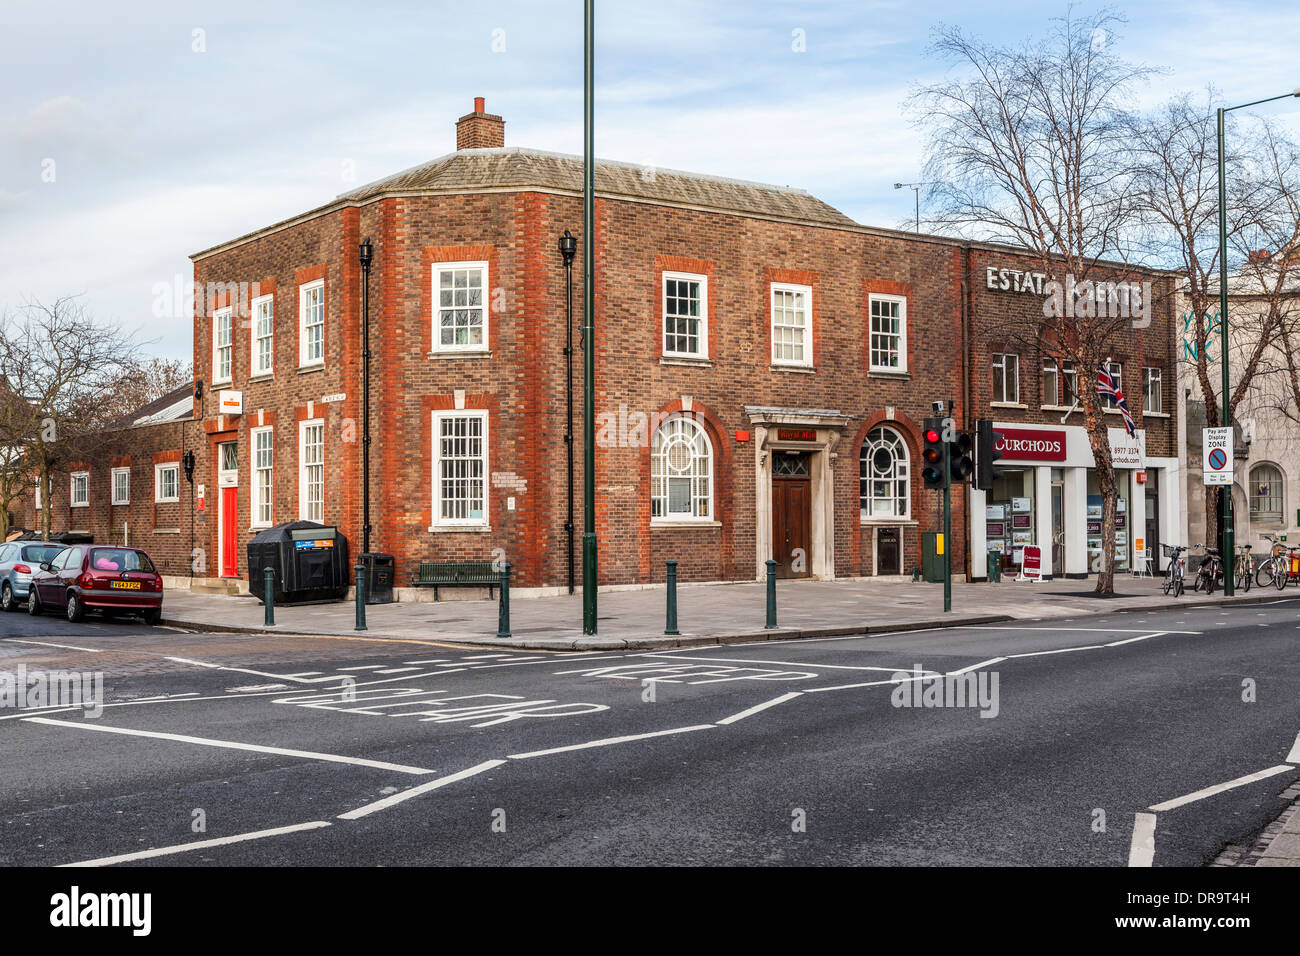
(1216, 467)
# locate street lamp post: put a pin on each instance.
(568, 248)
(1229, 546)
(916, 190)
(366, 253)
(588, 336)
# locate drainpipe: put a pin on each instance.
(568, 248)
(966, 387)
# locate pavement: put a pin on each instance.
(707, 613)
(1135, 738)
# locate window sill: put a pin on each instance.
(167, 501)
(261, 377)
(459, 528)
(86, 505)
(887, 522)
(465, 354)
(308, 369)
(1155, 414)
(1055, 408)
(669, 523)
(685, 361)
(901, 374)
(218, 383)
(118, 504)
(790, 367)
(1008, 405)
(166, 530)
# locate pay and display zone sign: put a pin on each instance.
(1216, 467)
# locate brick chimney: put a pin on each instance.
(480, 130)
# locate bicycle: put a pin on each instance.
(1210, 571)
(1244, 571)
(1174, 573)
(1265, 573)
(1288, 569)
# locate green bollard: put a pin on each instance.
(268, 603)
(670, 626)
(361, 597)
(771, 594)
(503, 603)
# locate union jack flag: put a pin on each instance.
(1107, 387)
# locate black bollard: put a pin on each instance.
(503, 603)
(771, 594)
(670, 626)
(268, 602)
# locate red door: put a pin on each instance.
(229, 532)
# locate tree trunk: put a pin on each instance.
(46, 504)
(1106, 484)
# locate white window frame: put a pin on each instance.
(112, 484)
(668, 517)
(304, 291)
(806, 291)
(255, 353)
(72, 489)
(901, 476)
(224, 317)
(435, 280)
(258, 471)
(304, 510)
(1000, 359)
(1052, 372)
(158, 470)
(703, 352)
(1152, 373)
(436, 438)
(36, 503)
(873, 298)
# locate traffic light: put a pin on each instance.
(933, 453)
(960, 462)
(986, 453)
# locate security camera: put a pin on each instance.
(937, 406)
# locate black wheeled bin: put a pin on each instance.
(310, 561)
(378, 576)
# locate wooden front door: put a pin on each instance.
(791, 516)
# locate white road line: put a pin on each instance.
(1142, 851)
(874, 683)
(233, 745)
(1059, 650)
(396, 670)
(747, 660)
(371, 667)
(1130, 640)
(975, 667)
(760, 707)
(200, 845)
(397, 798)
(1094, 630)
(1294, 755)
(66, 647)
(248, 670)
(1220, 788)
(609, 741)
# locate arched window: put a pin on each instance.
(681, 472)
(1266, 494)
(884, 486)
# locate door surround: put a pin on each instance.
(817, 432)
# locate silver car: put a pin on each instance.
(18, 559)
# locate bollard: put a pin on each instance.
(268, 603)
(670, 627)
(361, 597)
(503, 603)
(771, 595)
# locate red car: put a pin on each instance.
(88, 577)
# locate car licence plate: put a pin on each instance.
(125, 585)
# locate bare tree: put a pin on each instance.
(63, 367)
(149, 380)
(1027, 146)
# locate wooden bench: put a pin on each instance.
(436, 574)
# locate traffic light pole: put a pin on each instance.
(947, 518)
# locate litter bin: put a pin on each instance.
(378, 575)
(931, 560)
(310, 561)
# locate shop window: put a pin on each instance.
(1006, 378)
(681, 472)
(884, 488)
(888, 333)
(1009, 515)
(1266, 494)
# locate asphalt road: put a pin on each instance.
(257, 750)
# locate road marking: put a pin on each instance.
(397, 798)
(1294, 755)
(609, 741)
(233, 745)
(1142, 851)
(1060, 650)
(760, 707)
(1220, 788)
(396, 670)
(973, 667)
(1095, 630)
(1130, 640)
(371, 667)
(747, 660)
(66, 647)
(200, 845)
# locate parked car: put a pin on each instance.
(89, 577)
(18, 559)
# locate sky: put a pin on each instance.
(135, 134)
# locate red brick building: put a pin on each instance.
(762, 366)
